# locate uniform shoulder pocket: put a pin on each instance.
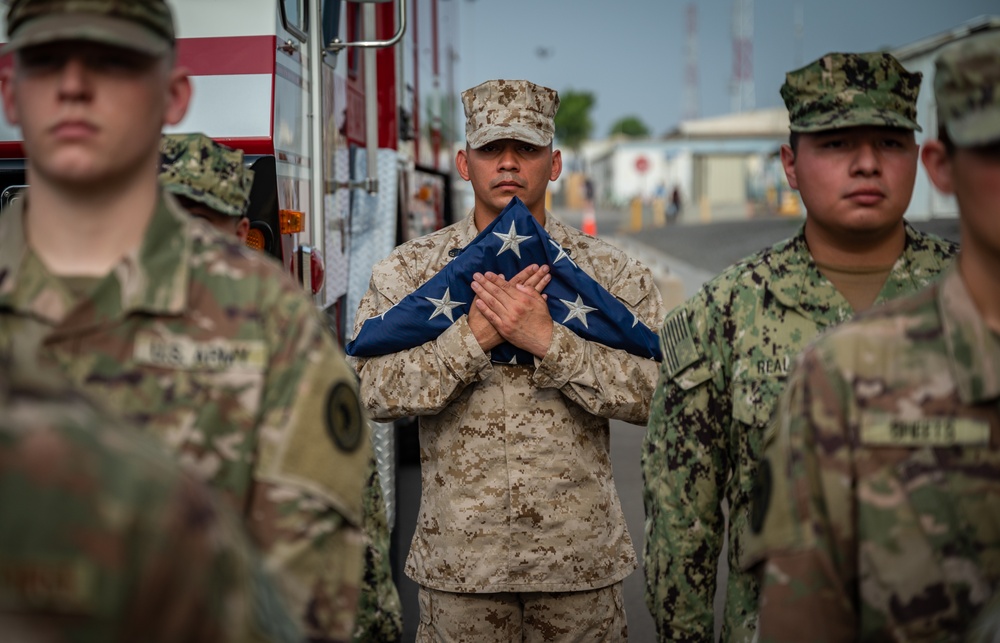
(680, 350)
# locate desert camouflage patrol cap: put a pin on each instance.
(967, 89)
(514, 109)
(196, 167)
(146, 26)
(851, 90)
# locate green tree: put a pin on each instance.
(573, 124)
(630, 126)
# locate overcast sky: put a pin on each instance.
(630, 53)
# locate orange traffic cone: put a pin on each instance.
(589, 222)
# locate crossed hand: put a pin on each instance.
(512, 311)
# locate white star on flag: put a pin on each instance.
(444, 306)
(512, 241)
(635, 320)
(562, 253)
(577, 310)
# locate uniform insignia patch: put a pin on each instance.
(761, 496)
(931, 431)
(344, 420)
(679, 351)
(65, 585)
(185, 353)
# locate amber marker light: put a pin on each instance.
(255, 240)
(291, 221)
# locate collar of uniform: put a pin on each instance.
(25, 285)
(156, 278)
(12, 249)
(151, 278)
(792, 277)
(797, 283)
(973, 348)
(913, 268)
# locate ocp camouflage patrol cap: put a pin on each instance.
(851, 90)
(196, 167)
(514, 109)
(146, 26)
(967, 89)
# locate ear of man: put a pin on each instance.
(937, 162)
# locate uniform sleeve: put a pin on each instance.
(380, 616)
(313, 456)
(802, 520)
(684, 472)
(422, 380)
(608, 383)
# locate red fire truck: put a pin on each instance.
(343, 109)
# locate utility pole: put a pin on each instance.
(799, 21)
(741, 85)
(692, 106)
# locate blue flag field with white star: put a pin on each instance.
(510, 243)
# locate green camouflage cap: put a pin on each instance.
(514, 109)
(851, 90)
(196, 167)
(146, 26)
(967, 90)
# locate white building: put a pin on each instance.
(727, 167)
(722, 166)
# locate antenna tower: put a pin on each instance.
(692, 108)
(742, 82)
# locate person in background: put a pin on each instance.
(209, 180)
(182, 332)
(877, 510)
(213, 183)
(852, 156)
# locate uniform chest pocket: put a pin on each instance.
(929, 535)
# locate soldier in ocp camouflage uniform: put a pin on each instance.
(185, 333)
(727, 350)
(520, 534)
(211, 181)
(878, 506)
(102, 538)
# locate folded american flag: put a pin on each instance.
(512, 241)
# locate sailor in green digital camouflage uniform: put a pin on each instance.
(878, 506)
(212, 182)
(103, 539)
(183, 332)
(853, 158)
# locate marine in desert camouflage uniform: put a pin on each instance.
(186, 334)
(103, 539)
(520, 530)
(727, 350)
(212, 182)
(878, 505)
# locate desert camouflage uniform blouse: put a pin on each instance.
(516, 472)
